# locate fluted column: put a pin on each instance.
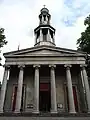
(53, 89)
(19, 89)
(70, 90)
(53, 38)
(35, 38)
(46, 18)
(48, 35)
(42, 19)
(3, 87)
(36, 89)
(86, 84)
(41, 35)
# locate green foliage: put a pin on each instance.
(2, 38)
(84, 44)
(84, 41)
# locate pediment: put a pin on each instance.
(36, 51)
(43, 51)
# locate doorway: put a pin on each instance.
(44, 97)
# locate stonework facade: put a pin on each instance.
(45, 78)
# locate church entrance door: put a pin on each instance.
(44, 97)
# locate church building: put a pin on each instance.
(45, 78)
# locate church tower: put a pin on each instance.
(44, 33)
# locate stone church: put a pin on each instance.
(45, 78)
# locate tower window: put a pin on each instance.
(44, 37)
(44, 17)
(40, 19)
(44, 34)
(51, 32)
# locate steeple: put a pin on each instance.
(44, 33)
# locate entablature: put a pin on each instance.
(45, 60)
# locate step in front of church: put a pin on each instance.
(44, 116)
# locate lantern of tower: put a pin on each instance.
(44, 33)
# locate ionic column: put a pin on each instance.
(53, 89)
(53, 38)
(41, 35)
(48, 35)
(19, 89)
(86, 85)
(70, 90)
(42, 19)
(36, 89)
(3, 87)
(46, 18)
(35, 38)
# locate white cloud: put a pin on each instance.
(67, 36)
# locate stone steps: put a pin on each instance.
(44, 118)
(28, 114)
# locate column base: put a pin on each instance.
(1, 108)
(1, 111)
(54, 112)
(17, 111)
(72, 112)
(36, 112)
(28, 111)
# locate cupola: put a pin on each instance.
(44, 33)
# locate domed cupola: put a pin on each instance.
(44, 33)
(44, 16)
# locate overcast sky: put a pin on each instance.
(20, 17)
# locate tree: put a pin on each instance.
(84, 41)
(2, 38)
(84, 44)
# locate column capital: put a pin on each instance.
(7, 67)
(21, 67)
(67, 66)
(36, 66)
(41, 30)
(52, 66)
(83, 66)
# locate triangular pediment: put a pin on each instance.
(43, 50)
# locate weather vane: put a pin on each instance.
(44, 6)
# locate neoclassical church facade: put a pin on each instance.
(45, 78)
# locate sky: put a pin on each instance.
(19, 18)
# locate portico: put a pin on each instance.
(51, 78)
